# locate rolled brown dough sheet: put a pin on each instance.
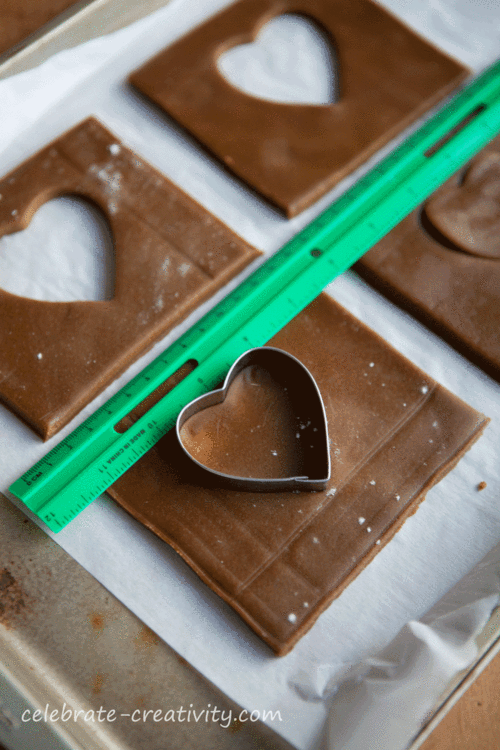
(442, 263)
(21, 18)
(170, 255)
(279, 559)
(292, 154)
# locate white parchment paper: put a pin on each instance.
(383, 702)
(453, 529)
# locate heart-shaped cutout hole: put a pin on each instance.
(264, 430)
(66, 254)
(291, 61)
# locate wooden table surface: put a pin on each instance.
(474, 721)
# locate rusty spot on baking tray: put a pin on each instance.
(97, 683)
(146, 637)
(12, 599)
(235, 726)
(97, 621)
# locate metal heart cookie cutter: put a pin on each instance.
(265, 430)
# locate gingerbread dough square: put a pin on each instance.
(170, 255)
(279, 559)
(20, 18)
(293, 154)
(442, 263)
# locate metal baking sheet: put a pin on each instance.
(96, 18)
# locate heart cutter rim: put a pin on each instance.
(256, 356)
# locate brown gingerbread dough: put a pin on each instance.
(280, 558)
(293, 154)
(20, 18)
(442, 263)
(170, 255)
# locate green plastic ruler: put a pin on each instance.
(92, 457)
